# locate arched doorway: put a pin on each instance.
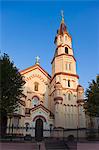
(39, 129)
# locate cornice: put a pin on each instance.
(65, 33)
(64, 46)
(64, 73)
(80, 101)
(64, 55)
(58, 99)
(67, 89)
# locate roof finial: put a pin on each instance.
(37, 60)
(62, 14)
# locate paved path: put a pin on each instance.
(22, 146)
(88, 146)
(34, 146)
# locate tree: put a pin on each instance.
(92, 100)
(11, 89)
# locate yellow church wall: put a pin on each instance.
(60, 65)
(43, 90)
(64, 39)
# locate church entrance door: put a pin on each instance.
(39, 129)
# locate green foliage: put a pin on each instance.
(11, 85)
(92, 102)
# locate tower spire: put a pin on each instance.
(62, 28)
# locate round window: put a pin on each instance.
(35, 101)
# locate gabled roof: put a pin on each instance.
(44, 108)
(36, 66)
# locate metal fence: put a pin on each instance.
(28, 133)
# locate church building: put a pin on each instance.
(52, 101)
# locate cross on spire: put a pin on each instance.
(62, 14)
(37, 60)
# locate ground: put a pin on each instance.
(35, 146)
(21, 146)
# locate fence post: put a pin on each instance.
(77, 134)
(9, 129)
(12, 133)
(39, 146)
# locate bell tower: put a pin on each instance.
(64, 83)
(63, 60)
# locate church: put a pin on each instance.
(52, 101)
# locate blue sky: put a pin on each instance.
(28, 29)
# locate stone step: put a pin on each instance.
(56, 149)
(72, 146)
(56, 145)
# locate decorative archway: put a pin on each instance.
(39, 129)
(39, 116)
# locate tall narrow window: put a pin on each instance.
(27, 111)
(65, 38)
(36, 86)
(68, 83)
(27, 126)
(69, 96)
(66, 50)
(66, 66)
(69, 66)
(60, 38)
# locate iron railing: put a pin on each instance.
(28, 133)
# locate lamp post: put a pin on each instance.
(77, 121)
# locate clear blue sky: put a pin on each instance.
(28, 29)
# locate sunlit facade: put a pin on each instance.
(52, 101)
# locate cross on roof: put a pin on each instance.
(37, 60)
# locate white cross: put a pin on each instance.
(62, 14)
(37, 59)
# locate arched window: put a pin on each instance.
(66, 50)
(36, 86)
(27, 126)
(68, 83)
(35, 101)
(65, 38)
